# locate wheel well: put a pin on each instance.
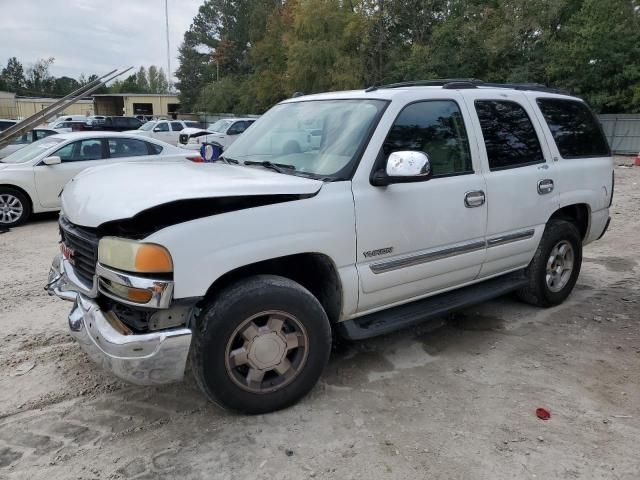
(577, 214)
(21, 190)
(314, 271)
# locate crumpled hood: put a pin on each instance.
(114, 192)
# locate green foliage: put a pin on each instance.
(13, 75)
(38, 78)
(597, 55)
(246, 55)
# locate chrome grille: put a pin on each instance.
(84, 244)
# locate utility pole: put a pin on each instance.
(166, 17)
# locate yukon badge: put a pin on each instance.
(378, 252)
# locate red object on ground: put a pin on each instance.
(543, 414)
(637, 163)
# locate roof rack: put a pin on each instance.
(466, 83)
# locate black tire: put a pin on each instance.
(217, 327)
(24, 203)
(538, 291)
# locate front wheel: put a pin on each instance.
(14, 207)
(555, 267)
(260, 345)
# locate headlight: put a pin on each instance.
(132, 256)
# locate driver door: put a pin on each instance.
(75, 157)
(422, 237)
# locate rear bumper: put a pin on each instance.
(144, 359)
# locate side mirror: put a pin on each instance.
(157, 129)
(403, 167)
(55, 160)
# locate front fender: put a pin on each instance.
(206, 248)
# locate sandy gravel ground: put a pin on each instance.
(454, 399)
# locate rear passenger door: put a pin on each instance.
(519, 174)
(176, 128)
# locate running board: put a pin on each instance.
(395, 318)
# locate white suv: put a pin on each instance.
(420, 198)
(165, 130)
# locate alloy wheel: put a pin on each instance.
(559, 266)
(266, 352)
(11, 208)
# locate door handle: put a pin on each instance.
(545, 186)
(474, 199)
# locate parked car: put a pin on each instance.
(32, 178)
(4, 124)
(120, 124)
(419, 200)
(165, 130)
(224, 132)
(70, 125)
(26, 139)
(96, 121)
(69, 118)
(144, 118)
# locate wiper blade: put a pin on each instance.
(229, 160)
(278, 167)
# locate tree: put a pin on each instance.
(272, 48)
(64, 85)
(38, 80)
(142, 81)
(597, 55)
(13, 75)
(157, 80)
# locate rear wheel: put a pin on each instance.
(14, 207)
(555, 267)
(260, 345)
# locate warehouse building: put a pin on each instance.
(15, 107)
(131, 104)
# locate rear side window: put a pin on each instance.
(176, 126)
(509, 136)
(574, 128)
(153, 148)
(127, 147)
(435, 127)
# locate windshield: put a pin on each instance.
(220, 126)
(148, 126)
(31, 151)
(321, 138)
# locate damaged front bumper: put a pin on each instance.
(144, 359)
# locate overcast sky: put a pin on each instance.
(93, 36)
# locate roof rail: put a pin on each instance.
(465, 83)
(437, 82)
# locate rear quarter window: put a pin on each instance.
(574, 128)
(154, 149)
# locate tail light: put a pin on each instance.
(196, 159)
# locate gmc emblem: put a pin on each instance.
(67, 253)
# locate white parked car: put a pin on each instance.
(224, 132)
(164, 130)
(27, 139)
(32, 178)
(420, 199)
